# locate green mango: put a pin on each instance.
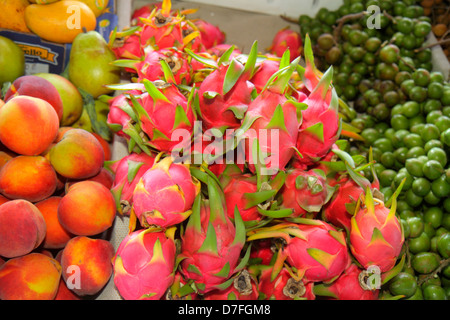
(90, 65)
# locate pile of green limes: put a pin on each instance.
(400, 107)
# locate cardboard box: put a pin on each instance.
(51, 57)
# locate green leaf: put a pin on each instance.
(99, 127)
(154, 92)
(255, 198)
(234, 71)
(225, 57)
(207, 62)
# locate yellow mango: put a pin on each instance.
(60, 21)
(97, 6)
(12, 15)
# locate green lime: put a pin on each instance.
(391, 98)
(445, 137)
(431, 105)
(389, 53)
(445, 99)
(443, 245)
(434, 292)
(415, 152)
(385, 71)
(422, 29)
(399, 122)
(409, 42)
(430, 132)
(414, 167)
(418, 94)
(438, 154)
(370, 135)
(403, 284)
(381, 111)
(415, 225)
(434, 216)
(431, 198)
(407, 85)
(403, 175)
(354, 79)
(401, 154)
(437, 76)
(421, 186)
(387, 159)
(419, 244)
(413, 199)
(415, 122)
(350, 92)
(435, 90)
(413, 140)
(432, 169)
(433, 143)
(425, 262)
(356, 7)
(424, 56)
(369, 59)
(405, 25)
(433, 115)
(440, 187)
(360, 67)
(443, 123)
(402, 76)
(387, 177)
(357, 53)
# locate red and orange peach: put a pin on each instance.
(88, 208)
(28, 125)
(22, 228)
(91, 259)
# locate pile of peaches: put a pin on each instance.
(55, 199)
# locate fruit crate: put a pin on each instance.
(260, 24)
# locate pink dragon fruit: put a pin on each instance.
(218, 50)
(164, 194)
(317, 251)
(306, 192)
(351, 285)
(163, 110)
(180, 289)
(264, 71)
(164, 28)
(263, 251)
(285, 286)
(272, 123)
(144, 264)
(211, 35)
(225, 93)
(150, 67)
(128, 48)
(376, 234)
(244, 287)
(211, 245)
(321, 126)
(127, 172)
(286, 39)
(144, 12)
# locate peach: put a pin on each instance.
(28, 177)
(34, 86)
(86, 264)
(105, 177)
(22, 228)
(28, 125)
(34, 276)
(88, 208)
(106, 146)
(2, 262)
(56, 236)
(1, 103)
(65, 293)
(3, 199)
(4, 158)
(78, 155)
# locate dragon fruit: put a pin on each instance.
(127, 172)
(164, 28)
(144, 264)
(351, 285)
(225, 93)
(264, 71)
(263, 251)
(144, 12)
(271, 124)
(285, 286)
(180, 289)
(376, 234)
(317, 251)
(286, 39)
(211, 245)
(321, 126)
(163, 110)
(165, 194)
(306, 192)
(211, 35)
(244, 287)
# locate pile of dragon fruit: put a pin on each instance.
(237, 182)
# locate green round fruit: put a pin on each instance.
(425, 262)
(443, 245)
(434, 292)
(12, 61)
(403, 284)
(419, 244)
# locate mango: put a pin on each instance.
(86, 264)
(60, 21)
(71, 98)
(33, 86)
(31, 277)
(90, 67)
(28, 177)
(56, 236)
(78, 155)
(88, 208)
(12, 15)
(28, 125)
(97, 6)
(22, 228)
